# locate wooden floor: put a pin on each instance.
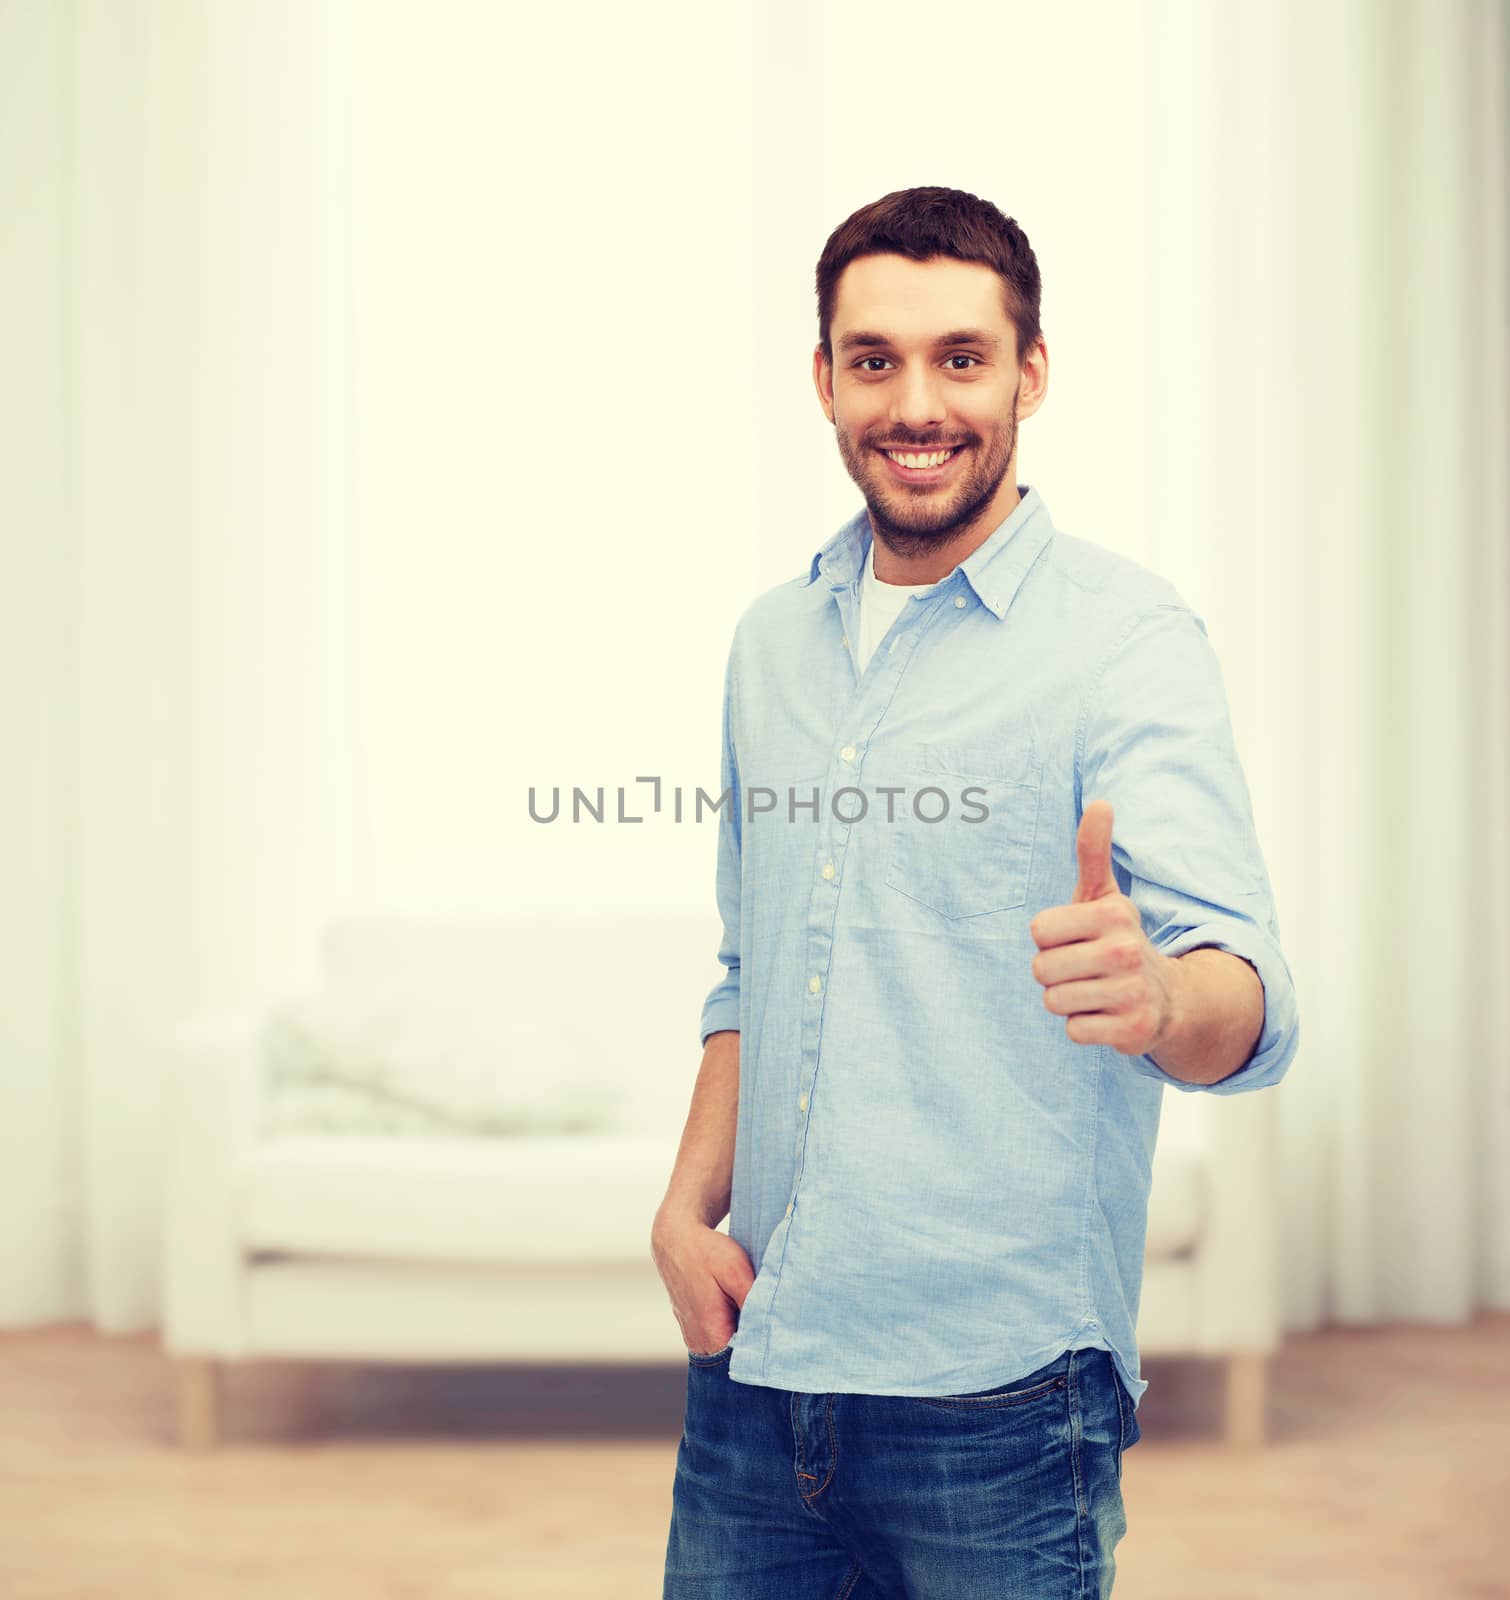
(1386, 1476)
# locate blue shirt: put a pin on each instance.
(940, 1190)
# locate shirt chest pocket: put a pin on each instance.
(966, 864)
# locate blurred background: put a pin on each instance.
(332, 332)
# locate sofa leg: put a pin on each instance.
(199, 1381)
(1246, 1399)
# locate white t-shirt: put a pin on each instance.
(879, 604)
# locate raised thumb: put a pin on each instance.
(1093, 847)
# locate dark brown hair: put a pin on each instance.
(929, 222)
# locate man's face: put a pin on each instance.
(901, 377)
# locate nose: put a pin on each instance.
(917, 401)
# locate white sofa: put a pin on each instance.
(405, 1248)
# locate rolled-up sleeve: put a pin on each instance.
(721, 1009)
(1156, 741)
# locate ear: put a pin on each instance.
(1033, 379)
(823, 382)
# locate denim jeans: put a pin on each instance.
(1011, 1493)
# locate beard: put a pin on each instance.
(915, 522)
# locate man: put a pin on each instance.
(989, 883)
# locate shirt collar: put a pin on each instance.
(994, 569)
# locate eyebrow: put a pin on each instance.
(864, 340)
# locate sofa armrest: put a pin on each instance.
(213, 1111)
(1237, 1290)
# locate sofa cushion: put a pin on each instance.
(621, 991)
(567, 1198)
(358, 1056)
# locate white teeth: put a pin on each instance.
(915, 461)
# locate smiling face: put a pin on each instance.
(925, 360)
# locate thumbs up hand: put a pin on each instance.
(1097, 967)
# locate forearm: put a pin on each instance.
(1216, 1016)
(702, 1180)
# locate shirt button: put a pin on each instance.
(789, 1208)
(802, 1103)
(848, 752)
(815, 983)
(828, 869)
(959, 600)
(844, 639)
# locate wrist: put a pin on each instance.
(1172, 979)
(676, 1216)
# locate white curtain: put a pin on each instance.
(1327, 412)
(287, 623)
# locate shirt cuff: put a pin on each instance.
(1280, 1036)
(720, 1011)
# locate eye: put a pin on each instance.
(865, 361)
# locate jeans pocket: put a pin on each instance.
(970, 853)
(1123, 1405)
(708, 1360)
(1047, 1380)
(1128, 1417)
